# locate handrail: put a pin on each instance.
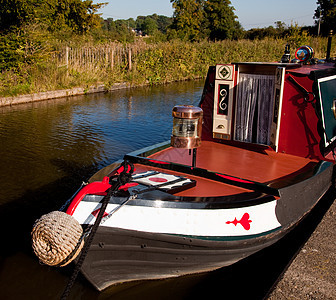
(200, 172)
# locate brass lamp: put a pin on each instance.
(187, 128)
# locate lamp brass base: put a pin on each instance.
(185, 142)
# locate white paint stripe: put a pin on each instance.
(200, 222)
(167, 177)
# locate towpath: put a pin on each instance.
(312, 274)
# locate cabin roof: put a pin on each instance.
(291, 67)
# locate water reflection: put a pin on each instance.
(92, 130)
(48, 148)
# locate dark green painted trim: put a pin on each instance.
(228, 238)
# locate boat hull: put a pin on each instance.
(118, 255)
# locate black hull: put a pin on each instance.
(118, 256)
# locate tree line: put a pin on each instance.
(31, 29)
(127, 30)
(34, 33)
(193, 20)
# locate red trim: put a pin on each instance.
(96, 212)
(159, 162)
(234, 178)
(126, 186)
(121, 169)
(97, 187)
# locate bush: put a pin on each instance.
(33, 62)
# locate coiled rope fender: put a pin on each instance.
(55, 237)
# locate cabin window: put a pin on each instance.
(327, 95)
(254, 108)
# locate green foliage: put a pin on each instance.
(34, 32)
(75, 15)
(221, 20)
(24, 46)
(326, 10)
(149, 26)
(151, 63)
(15, 13)
(154, 27)
(79, 16)
(296, 37)
(188, 19)
(154, 23)
(198, 19)
(119, 30)
(279, 31)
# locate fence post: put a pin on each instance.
(112, 58)
(67, 56)
(129, 59)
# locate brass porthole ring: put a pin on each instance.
(333, 108)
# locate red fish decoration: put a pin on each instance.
(96, 212)
(244, 221)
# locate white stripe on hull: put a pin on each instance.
(232, 222)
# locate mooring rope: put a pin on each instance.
(124, 177)
(87, 245)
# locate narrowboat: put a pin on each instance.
(239, 172)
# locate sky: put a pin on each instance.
(250, 13)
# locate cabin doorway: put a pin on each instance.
(254, 108)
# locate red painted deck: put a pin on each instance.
(262, 166)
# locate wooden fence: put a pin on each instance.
(105, 56)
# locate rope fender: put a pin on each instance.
(55, 237)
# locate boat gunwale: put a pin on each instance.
(179, 202)
(243, 199)
(200, 172)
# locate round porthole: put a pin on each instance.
(333, 108)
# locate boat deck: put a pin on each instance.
(260, 165)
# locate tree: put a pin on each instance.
(123, 30)
(14, 13)
(76, 15)
(109, 25)
(149, 26)
(196, 19)
(163, 22)
(221, 19)
(188, 18)
(326, 10)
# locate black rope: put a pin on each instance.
(124, 177)
(304, 91)
(74, 251)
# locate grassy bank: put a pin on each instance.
(139, 63)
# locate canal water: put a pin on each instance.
(48, 148)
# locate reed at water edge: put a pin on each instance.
(140, 63)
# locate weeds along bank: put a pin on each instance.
(48, 68)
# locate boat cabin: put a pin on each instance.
(288, 107)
